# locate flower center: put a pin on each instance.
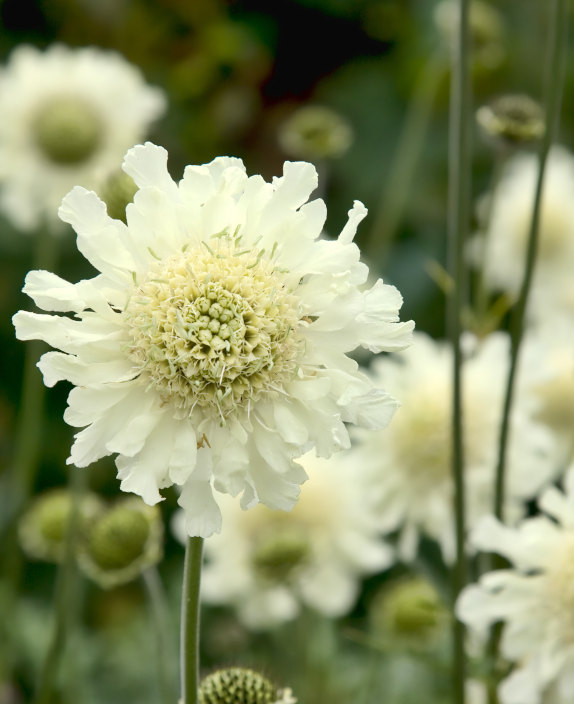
(215, 327)
(280, 551)
(67, 130)
(427, 416)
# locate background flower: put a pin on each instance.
(533, 598)
(410, 465)
(314, 555)
(68, 116)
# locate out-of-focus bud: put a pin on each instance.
(238, 685)
(315, 132)
(118, 190)
(42, 529)
(408, 612)
(486, 30)
(512, 120)
(122, 542)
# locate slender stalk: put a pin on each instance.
(64, 598)
(458, 217)
(161, 621)
(553, 83)
(29, 426)
(190, 621)
(397, 186)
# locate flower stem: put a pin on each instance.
(161, 621)
(64, 598)
(554, 80)
(397, 186)
(458, 216)
(190, 621)
(29, 426)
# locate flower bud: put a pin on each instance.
(117, 191)
(67, 130)
(485, 25)
(238, 685)
(122, 542)
(408, 612)
(512, 120)
(315, 132)
(42, 529)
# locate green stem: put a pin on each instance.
(64, 599)
(397, 186)
(190, 621)
(554, 79)
(161, 621)
(29, 428)
(458, 217)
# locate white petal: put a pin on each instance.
(56, 366)
(147, 165)
(357, 213)
(50, 292)
(202, 514)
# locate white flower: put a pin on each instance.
(551, 349)
(534, 598)
(212, 348)
(314, 555)
(505, 242)
(411, 463)
(68, 117)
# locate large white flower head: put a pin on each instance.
(505, 242)
(212, 349)
(411, 464)
(534, 598)
(68, 117)
(314, 555)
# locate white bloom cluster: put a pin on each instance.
(534, 598)
(411, 464)
(502, 248)
(212, 348)
(315, 555)
(68, 117)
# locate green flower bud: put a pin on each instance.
(512, 120)
(67, 130)
(238, 685)
(486, 30)
(42, 529)
(279, 552)
(315, 132)
(409, 612)
(117, 192)
(122, 542)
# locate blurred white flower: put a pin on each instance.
(534, 599)
(502, 249)
(551, 349)
(68, 117)
(212, 349)
(315, 555)
(411, 463)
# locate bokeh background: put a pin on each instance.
(234, 74)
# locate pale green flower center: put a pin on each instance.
(237, 685)
(215, 327)
(421, 434)
(67, 130)
(280, 551)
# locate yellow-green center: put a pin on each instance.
(215, 327)
(67, 130)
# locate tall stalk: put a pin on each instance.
(458, 216)
(398, 185)
(190, 621)
(553, 85)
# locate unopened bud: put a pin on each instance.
(512, 120)
(122, 542)
(238, 685)
(315, 132)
